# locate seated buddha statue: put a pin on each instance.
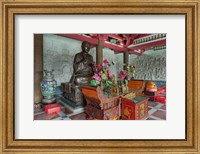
(82, 66)
(82, 73)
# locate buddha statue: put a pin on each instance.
(82, 73)
(82, 66)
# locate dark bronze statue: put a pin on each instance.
(82, 73)
(83, 68)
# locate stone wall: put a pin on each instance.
(59, 54)
(150, 66)
(116, 58)
(119, 61)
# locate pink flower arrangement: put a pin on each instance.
(103, 74)
(96, 77)
(126, 75)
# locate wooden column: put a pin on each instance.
(126, 59)
(99, 52)
(38, 66)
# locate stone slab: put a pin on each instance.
(70, 105)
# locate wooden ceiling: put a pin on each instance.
(132, 43)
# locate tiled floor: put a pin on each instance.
(156, 111)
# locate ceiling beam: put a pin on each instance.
(134, 52)
(148, 45)
(117, 37)
(114, 46)
(93, 41)
(81, 38)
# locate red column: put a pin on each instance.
(99, 52)
(126, 59)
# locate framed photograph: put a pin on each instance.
(99, 76)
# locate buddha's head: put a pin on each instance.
(85, 46)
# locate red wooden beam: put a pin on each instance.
(117, 37)
(81, 38)
(105, 37)
(93, 35)
(129, 51)
(94, 41)
(114, 46)
(148, 45)
(136, 36)
(134, 52)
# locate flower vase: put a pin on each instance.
(107, 91)
(101, 85)
(48, 87)
(127, 89)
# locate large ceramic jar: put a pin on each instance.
(151, 86)
(48, 87)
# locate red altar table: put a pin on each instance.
(135, 109)
(98, 105)
(102, 107)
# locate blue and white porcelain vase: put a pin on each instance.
(48, 87)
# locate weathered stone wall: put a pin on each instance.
(59, 54)
(119, 61)
(116, 58)
(150, 66)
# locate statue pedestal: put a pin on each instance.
(72, 97)
(71, 105)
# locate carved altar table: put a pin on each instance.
(98, 105)
(102, 107)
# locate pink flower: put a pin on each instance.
(109, 74)
(100, 66)
(100, 73)
(121, 75)
(105, 61)
(96, 77)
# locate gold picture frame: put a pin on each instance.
(9, 8)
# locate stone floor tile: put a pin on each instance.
(38, 109)
(163, 107)
(80, 116)
(149, 118)
(45, 116)
(66, 111)
(152, 104)
(160, 114)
